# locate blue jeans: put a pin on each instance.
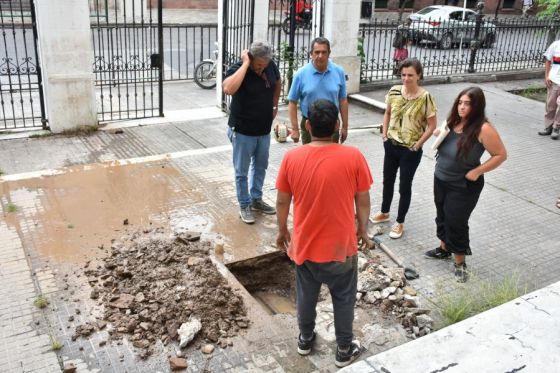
(250, 160)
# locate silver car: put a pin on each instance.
(447, 25)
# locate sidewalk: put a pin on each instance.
(511, 229)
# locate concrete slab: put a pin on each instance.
(515, 337)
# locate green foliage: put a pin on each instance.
(41, 301)
(478, 296)
(40, 135)
(56, 345)
(548, 8)
(1, 172)
(362, 55)
(12, 207)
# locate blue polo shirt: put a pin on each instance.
(309, 85)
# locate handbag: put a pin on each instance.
(443, 132)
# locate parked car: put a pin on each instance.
(447, 26)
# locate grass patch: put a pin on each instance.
(70, 226)
(56, 345)
(478, 296)
(40, 135)
(11, 207)
(41, 301)
(1, 172)
(80, 131)
(533, 92)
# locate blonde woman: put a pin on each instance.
(410, 120)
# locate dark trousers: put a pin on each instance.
(454, 205)
(342, 280)
(398, 157)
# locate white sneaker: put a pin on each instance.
(380, 217)
(397, 230)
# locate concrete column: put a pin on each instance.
(260, 24)
(66, 56)
(219, 70)
(342, 22)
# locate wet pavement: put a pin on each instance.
(179, 175)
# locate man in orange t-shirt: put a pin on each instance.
(326, 180)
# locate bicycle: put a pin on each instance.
(205, 71)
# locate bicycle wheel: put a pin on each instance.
(205, 75)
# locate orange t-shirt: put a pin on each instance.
(323, 182)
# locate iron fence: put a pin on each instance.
(21, 94)
(445, 48)
(292, 25)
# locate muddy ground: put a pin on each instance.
(152, 282)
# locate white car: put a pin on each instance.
(448, 25)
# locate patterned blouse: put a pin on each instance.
(409, 118)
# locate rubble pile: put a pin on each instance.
(155, 287)
(388, 289)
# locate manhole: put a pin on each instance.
(270, 279)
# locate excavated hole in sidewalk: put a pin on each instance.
(270, 279)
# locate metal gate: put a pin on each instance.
(292, 25)
(237, 34)
(21, 93)
(127, 40)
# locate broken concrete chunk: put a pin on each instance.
(177, 363)
(123, 301)
(69, 367)
(424, 321)
(187, 331)
(207, 349)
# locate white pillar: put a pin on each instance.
(342, 23)
(219, 70)
(66, 57)
(260, 24)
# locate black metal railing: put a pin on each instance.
(445, 48)
(128, 60)
(185, 45)
(21, 94)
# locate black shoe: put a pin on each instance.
(262, 206)
(437, 253)
(461, 273)
(346, 356)
(304, 346)
(555, 134)
(546, 132)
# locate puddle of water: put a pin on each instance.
(275, 303)
(68, 216)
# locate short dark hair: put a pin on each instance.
(323, 115)
(321, 40)
(414, 63)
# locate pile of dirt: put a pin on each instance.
(152, 283)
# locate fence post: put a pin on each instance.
(342, 27)
(66, 55)
(475, 44)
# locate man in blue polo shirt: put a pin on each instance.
(319, 79)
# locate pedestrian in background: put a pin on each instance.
(400, 53)
(552, 81)
(319, 79)
(329, 184)
(409, 120)
(459, 175)
(527, 5)
(255, 85)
